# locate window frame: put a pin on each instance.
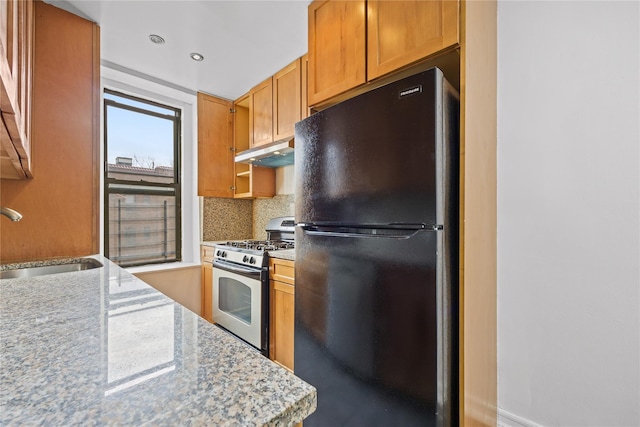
(146, 188)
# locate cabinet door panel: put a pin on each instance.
(336, 48)
(282, 323)
(215, 139)
(207, 292)
(286, 100)
(403, 32)
(262, 113)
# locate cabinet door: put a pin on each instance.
(16, 49)
(336, 48)
(286, 100)
(207, 292)
(215, 139)
(427, 28)
(261, 113)
(282, 323)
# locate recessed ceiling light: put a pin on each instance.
(156, 39)
(196, 57)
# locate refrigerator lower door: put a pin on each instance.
(374, 328)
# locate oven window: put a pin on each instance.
(234, 298)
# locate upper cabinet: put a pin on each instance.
(426, 27)
(215, 146)
(223, 130)
(249, 181)
(355, 42)
(261, 113)
(287, 100)
(16, 49)
(337, 42)
(267, 113)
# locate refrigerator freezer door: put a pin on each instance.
(381, 157)
(373, 328)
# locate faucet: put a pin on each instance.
(11, 214)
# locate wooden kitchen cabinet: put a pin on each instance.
(60, 202)
(261, 113)
(287, 100)
(249, 181)
(337, 43)
(16, 65)
(215, 147)
(223, 130)
(355, 42)
(206, 257)
(282, 305)
(427, 27)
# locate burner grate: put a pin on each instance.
(260, 245)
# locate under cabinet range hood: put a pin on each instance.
(272, 155)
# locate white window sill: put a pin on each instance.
(162, 267)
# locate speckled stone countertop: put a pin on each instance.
(289, 254)
(101, 347)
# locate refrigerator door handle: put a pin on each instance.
(405, 231)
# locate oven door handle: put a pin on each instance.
(238, 269)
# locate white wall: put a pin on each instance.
(568, 213)
(285, 180)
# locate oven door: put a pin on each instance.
(239, 302)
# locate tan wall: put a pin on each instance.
(182, 285)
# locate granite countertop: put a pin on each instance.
(289, 254)
(101, 347)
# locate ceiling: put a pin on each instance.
(243, 42)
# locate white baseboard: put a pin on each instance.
(508, 419)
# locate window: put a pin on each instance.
(142, 181)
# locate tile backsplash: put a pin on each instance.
(265, 209)
(226, 219)
(235, 219)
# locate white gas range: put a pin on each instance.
(241, 283)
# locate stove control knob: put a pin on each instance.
(224, 254)
(245, 258)
(252, 260)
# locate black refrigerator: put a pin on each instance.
(376, 300)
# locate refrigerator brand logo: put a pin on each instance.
(411, 91)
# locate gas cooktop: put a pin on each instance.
(259, 245)
(280, 236)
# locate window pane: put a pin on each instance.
(139, 146)
(142, 206)
(142, 228)
(139, 104)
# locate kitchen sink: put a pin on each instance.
(59, 266)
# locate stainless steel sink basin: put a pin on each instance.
(62, 266)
